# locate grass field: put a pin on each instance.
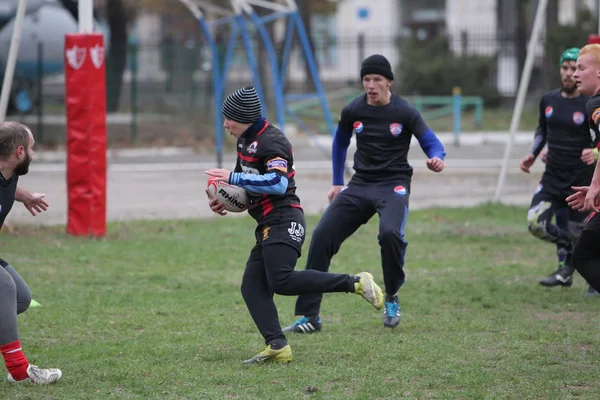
(153, 311)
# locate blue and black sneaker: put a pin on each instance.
(391, 312)
(304, 325)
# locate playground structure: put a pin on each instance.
(240, 17)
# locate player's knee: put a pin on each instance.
(246, 289)
(322, 233)
(389, 235)
(23, 301)
(537, 229)
(280, 283)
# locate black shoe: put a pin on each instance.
(591, 292)
(562, 277)
(304, 325)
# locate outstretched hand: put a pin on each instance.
(585, 198)
(35, 203)
(219, 174)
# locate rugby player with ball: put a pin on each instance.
(264, 172)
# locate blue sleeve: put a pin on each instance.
(431, 145)
(339, 150)
(269, 183)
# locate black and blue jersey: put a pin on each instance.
(265, 168)
(383, 136)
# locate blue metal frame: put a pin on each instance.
(219, 72)
(287, 51)
(247, 42)
(312, 66)
(268, 43)
(280, 74)
(217, 89)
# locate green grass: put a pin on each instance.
(153, 311)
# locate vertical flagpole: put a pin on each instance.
(522, 92)
(12, 58)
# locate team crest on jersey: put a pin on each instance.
(578, 118)
(252, 148)
(548, 111)
(358, 127)
(401, 190)
(396, 129)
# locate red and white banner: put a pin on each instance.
(85, 78)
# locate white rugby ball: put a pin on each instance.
(233, 197)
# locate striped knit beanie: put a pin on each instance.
(242, 106)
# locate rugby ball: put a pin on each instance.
(233, 197)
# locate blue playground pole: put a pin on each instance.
(312, 66)
(229, 51)
(217, 89)
(279, 100)
(457, 112)
(287, 50)
(252, 61)
(239, 26)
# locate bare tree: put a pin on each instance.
(116, 61)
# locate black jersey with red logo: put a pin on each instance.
(265, 168)
(563, 125)
(383, 136)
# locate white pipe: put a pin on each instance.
(85, 14)
(269, 5)
(523, 85)
(12, 58)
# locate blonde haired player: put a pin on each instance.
(586, 255)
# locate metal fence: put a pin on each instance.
(166, 95)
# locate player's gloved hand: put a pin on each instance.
(215, 205)
(334, 191)
(527, 162)
(589, 156)
(435, 164)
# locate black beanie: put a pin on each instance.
(242, 106)
(376, 64)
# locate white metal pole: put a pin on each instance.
(11, 62)
(523, 85)
(85, 14)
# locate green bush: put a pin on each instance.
(431, 69)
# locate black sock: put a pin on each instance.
(278, 344)
(351, 282)
(390, 298)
